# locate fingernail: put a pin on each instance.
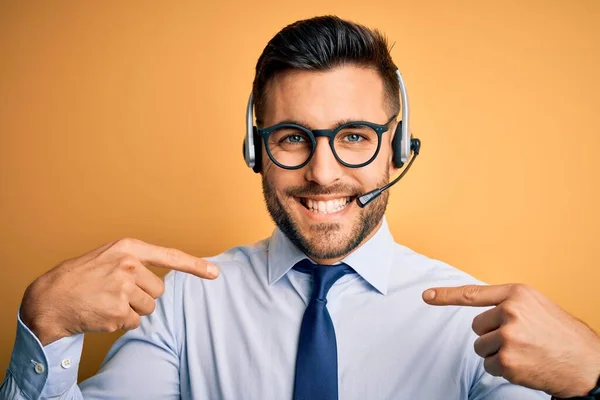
(429, 295)
(212, 270)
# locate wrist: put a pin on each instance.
(594, 390)
(40, 321)
(589, 390)
(584, 384)
(45, 331)
(591, 383)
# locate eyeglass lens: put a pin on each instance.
(353, 145)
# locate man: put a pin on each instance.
(329, 306)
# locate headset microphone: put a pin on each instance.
(362, 201)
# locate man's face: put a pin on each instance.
(315, 206)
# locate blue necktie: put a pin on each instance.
(316, 362)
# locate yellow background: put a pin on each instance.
(126, 119)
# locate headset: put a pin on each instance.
(403, 144)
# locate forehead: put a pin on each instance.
(321, 98)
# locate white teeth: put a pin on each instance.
(327, 207)
(331, 205)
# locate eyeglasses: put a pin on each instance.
(354, 144)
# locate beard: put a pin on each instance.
(326, 240)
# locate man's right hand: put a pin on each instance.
(107, 289)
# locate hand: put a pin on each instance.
(527, 339)
(104, 290)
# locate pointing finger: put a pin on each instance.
(469, 295)
(168, 258)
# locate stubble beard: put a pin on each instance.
(326, 241)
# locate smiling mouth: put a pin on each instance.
(325, 206)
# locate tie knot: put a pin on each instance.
(324, 276)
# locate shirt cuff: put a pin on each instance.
(49, 370)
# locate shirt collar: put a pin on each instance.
(372, 261)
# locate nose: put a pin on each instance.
(323, 168)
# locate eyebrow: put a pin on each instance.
(308, 126)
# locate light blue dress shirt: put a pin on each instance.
(236, 337)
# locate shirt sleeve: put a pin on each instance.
(489, 387)
(41, 372)
(142, 364)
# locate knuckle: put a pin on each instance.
(442, 295)
(520, 290)
(504, 360)
(114, 314)
(173, 257)
(124, 274)
(150, 307)
(160, 289)
(146, 306)
(133, 322)
(110, 326)
(121, 309)
(508, 373)
(510, 336)
(128, 262)
(510, 310)
(505, 334)
(470, 292)
(128, 259)
(125, 244)
(125, 287)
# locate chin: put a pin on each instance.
(325, 225)
(325, 243)
(323, 235)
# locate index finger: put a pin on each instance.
(169, 258)
(468, 295)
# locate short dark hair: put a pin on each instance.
(320, 44)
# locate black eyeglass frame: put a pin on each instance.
(329, 133)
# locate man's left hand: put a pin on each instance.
(527, 339)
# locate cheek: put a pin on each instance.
(369, 179)
(385, 153)
(279, 179)
(267, 168)
(384, 163)
(372, 175)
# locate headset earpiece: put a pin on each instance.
(397, 146)
(257, 151)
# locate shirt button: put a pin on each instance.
(39, 368)
(66, 363)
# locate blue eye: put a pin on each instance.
(294, 139)
(353, 137)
